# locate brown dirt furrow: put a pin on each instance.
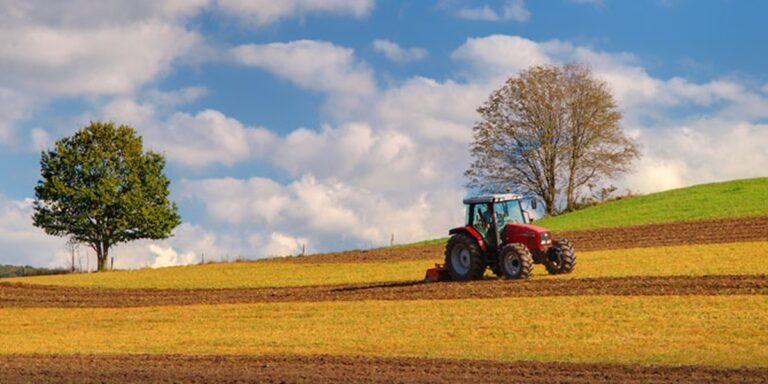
(28, 295)
(420, 252)
(342, 369)
(680, 233)
(730, 230)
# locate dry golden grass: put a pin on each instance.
(709, 259)
(727, 331)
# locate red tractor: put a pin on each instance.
(497, 234)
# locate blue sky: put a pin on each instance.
(335, 124)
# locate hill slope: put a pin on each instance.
(737, 198)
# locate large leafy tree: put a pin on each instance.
(99, 187)
(549, 131)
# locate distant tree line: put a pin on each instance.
(26, 270)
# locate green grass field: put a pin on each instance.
(707, 259)
(726, 331)
(738, 198)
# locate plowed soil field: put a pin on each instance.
(658, 235)
(655, 235)
(24, 295)
(310, 367)
(337, 369)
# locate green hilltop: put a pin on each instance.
(736, 198)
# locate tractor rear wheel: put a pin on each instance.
(560, 258)
(515, 261)
(463, 258)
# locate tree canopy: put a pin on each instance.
(99, 187)
(549, 131)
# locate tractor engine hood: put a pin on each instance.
(533, 236)
(522, 228)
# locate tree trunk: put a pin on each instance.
(570, 191)
(102, 255)
(550, 204)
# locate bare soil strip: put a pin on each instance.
(340, 369)
(29, 295)
(731, 230)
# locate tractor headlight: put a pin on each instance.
(546, 238)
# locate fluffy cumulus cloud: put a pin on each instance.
(205, 138)
(21, 242)
(264, 12)
(511, 10)
(396, 53)
(314, 212)
(71, 49)
(314, 65)
(62, 48)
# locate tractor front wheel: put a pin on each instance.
(463, 258)
(515, 261)
(560, 258)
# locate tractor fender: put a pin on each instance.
(471, 231)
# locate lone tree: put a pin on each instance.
(98, 187)
(550, 130)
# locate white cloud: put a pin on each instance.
(208, 137)
(100, 61)
(314, 65)
(13, 108)
(83, 49)
(513, 10)
(85, 13)
(699, 150)
(500, 56)
(21, 242)
(167, 256)
(264, 12)
(40, 139)
(279, 244)
(394, 52)
(324, 214)
(656, 174)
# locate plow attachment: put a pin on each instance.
(438, 273)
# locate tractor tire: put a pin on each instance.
(515, 261)
(561, 258)
(463, 258)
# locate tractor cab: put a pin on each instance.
(490, 214)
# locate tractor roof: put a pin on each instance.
(492, 198)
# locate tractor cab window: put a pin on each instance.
(481, 218)
(508, 212)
